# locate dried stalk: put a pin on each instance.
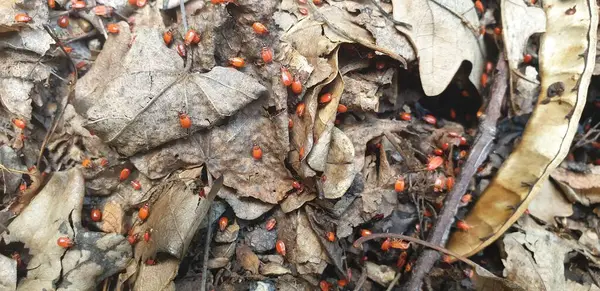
(479, 152)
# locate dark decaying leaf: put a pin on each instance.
(333, 249)
(227, 151)
(247, 258)
(133, 96)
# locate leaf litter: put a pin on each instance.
(297, 186)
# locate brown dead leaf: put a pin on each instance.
(157, 277)
(302, 244)
(9, 159)
(339, 169)
(581, 188)
(443, 41)
(132, 96)
(227, 151)
(359, 94)
(247, 258)
(176, 216)
(244, 208)
(112, 218)
(8, 9)
(274, 269)
(550, 203)
(519, 22)
(486, 281)
(293, 202)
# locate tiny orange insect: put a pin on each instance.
(434, 163)
(191, 37)
(342, 108)
(22, 187)
(331, 236)
(296, 185)
(303, 10)
(223, 222)
(462, 225)
(497, 31)
(184, 120)
(96, 215)
(22, 17)
(64, 242)
(401, 260)
(489, 66)
(144, 212)
(102, 10)
(181, 50)
(527, 58)
(63, 21)
(113, 28)
(400, 244)
(68, 49)
(132, 239)
(124, 174)
(385, 245)
(365, 232)
(260, 28)
(103, 162)
(479, 6)
(466, 198)
(147, 236)
(78, 5)
(290, 123)
(430, 119)
(301, 153)
(87, 163)
(136, 185)
(286, 77)
(280, 247)
(449, 183)
(324, 285)
(405, 116)
(342, 283)
(271, 224)
(150, 262)
(19, 123)
(237, 62)
(300, 109)
(438, 152)
(296, 86)
(399, 185)
(325, 98)
(445, 146)
(52, 4)
(266, 55)
(168, 37)
(257, 152)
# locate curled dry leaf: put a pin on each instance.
(339, 169)
(132, 96)
(519, 22)
(244, 208)
(581, 188)
(247, 258)
(550, 203)
(151, 277)
(227, 151)
(175, 218)
(302, 244)
(442, 39)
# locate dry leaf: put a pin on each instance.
(274, 269)
(581, 188)
(339, 169)
(157, 277)
(244, 208)
(9, 159)
(132, 96)
(519, 22)
(486, 281)
(381, 274)
(247, 259)
(443, 41)
(550, 203)
(525, 92)
(302, 244)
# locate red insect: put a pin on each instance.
(19, 123)
(296, 185)
(301, 153)
(498, 31)
(271, 224)
(223, 222)
(331, 236)
(113, 28)
(102, 10)
(300, 109)
(286, 77)
(191, 37)
(63, 21)
(202, 193)
(136, 185)
(466, 198)
(463, 141)
(296, 86)
(324, 285)
(181, 50)
(290, 123)
(405, 116)
(527, 58)
(445, 146)
(147, 236)
(96, 215)
(462, 225)
(22, 187)
(168, 37)
(103, 162)
(342, 108)
(150, 262)
(144, 212)
(78, 5)
(434, 163)
(401, 260)
(342, 283)
(267, 55)
(400, 185)
(325, 98)
(237, 62)
(184, 120)
(132, 239)
(259, 28)
(365, 232)
(64, 242)
(489, 66)
(52, 4)
(303, 10)
(280, 247)
(380, 65)
(479, 6)
(400, 244)
(438, 152)
(257, 152)
(385, 245)
(124, 174)
(430, 119)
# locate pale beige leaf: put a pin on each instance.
(8, 274)
(519, 22)
(550, 203)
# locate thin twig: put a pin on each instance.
(394, 282)
(208, 239)
(479, 152)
